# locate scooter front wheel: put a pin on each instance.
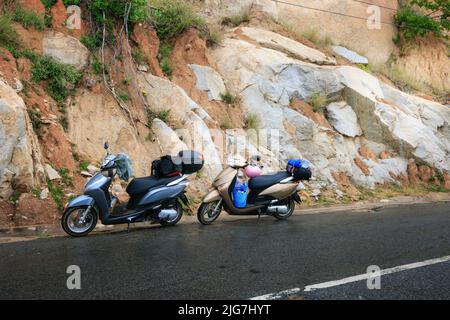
(209, 212)
(76, 222)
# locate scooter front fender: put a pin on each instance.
(214, 195)
(81, 201)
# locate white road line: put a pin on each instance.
(329, 284)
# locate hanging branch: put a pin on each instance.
(111, 89)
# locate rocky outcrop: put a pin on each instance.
(292, 48)
(343, 119)
(20, 158)
(96, 118)
(162, 95)
(267, 80)
(65, 49)
(209, 80)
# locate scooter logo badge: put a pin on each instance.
(74, 280)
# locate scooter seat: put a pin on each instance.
(265, 181)
(141, 185)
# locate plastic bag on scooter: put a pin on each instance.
(123, 165)
(240, 191)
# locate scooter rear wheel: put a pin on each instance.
(291, 207)
(175, 220)
(74, 226)
(207, 212)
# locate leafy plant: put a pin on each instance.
(420, 17)
(228, 98)
(36, 121)
(97, 66)
(252, 121)
(236, 20)
(318, 101)
(9, 38)
(84, 165)
(165, 62)
(61, 78)
(172, 17)
(68, 3)
(162, 115)
(66, 179)
(29, 19)
(56, 193)
(48, 3)
(138, 56)
(92, 42)
(118, 8)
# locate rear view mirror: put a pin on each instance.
(106, 145)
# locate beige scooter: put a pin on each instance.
(272, 194)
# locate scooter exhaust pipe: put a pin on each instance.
(167, 214)
(278, 209)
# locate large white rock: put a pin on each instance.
(161, 95)
(267, 77)
(20, 155)
(52, 174)
(343, 119)
(65, 49)
(293, 48)
(167, 138)
(350, 55)
(209, 80)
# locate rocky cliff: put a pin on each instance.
(260, 89)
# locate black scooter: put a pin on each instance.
(151, 199)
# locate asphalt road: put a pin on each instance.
(242, 259)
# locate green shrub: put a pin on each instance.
(418, 18)
(29, 19)
(165, 62)
(172, 17)
(9, 38)
(61, 78)
(68, 3)
(228, 98)
(412, 25)
(97, 67)
(315, 37)
(364, 67)
(57, 194)
(84, 165)
(236, 20)
(66, 179)
(92, 42)
(252, 121)
(48, 3)
(36, 121)
(162, 115)
(318, 101)
(138, 56)
(117, 9)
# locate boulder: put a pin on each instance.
(20, 157)
(52, 174)
(343, 119)
(209, 80)
(291, 47)
(65, 49)
(350, 55)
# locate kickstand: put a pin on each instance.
(128, 229)
(259, 215)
